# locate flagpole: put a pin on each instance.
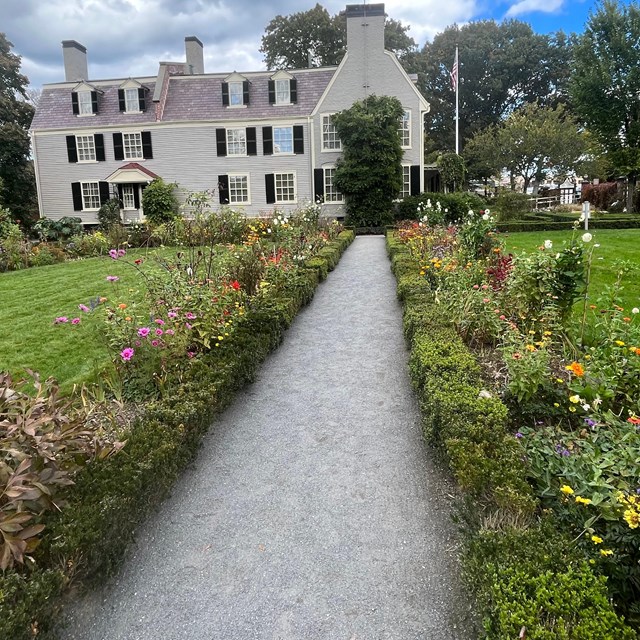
(457, 104)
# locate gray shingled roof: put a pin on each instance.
(189, 98)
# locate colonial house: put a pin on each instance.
(259, 139)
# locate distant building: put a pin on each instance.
(261, 139)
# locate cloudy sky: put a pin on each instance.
(128, 37)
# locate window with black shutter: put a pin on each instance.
(298, 139)
(72, 152)
(221, 142)
(99, 144)
(415, 180)
(147, 151)
(76, 192)
(136, 196)
(270, 186)
(252, 144)
(272, 91)
(74, 104)
(142, 100)
(293, 90)
(118, 147)
(121, 100)
(318, 185)
(267, 141)
(105, 192)
(245, 92)
(225, 94)
(94, 102)
(223, 189)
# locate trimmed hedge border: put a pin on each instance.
(523, 571)
(111, 498)
(549, 225)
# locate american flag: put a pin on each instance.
(454, 73)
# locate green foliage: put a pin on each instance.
(109, 214)
(88, 244)
(453, 206)
(452, 171)
(369, 173)
(512, 205)
(58, 230)
(160, 203)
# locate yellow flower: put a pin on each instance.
(574, 399)
(559, 380)
(606, 552)
(567, 490)
(531, 333)
(620, 343)
(572, 409)
(632, 518)
(596, 539)
(547, 333)
(581, 500)
(556, 405)
(530, 347)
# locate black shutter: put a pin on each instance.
(98, 140)
(147, 151)
(141, 100)
(293, 90)
(267, 141)
(72, 152)
(76, 191)
(136, 196)
(121, 196)
(298, 139)
(415, 180)
(272, 91)
(221, 142)
(225, 94)
(105, 192)
(223, 189)
(74, 104)
(94, 102)
(121, 100)
(252, 145)
(318, 185)
(245, 92)
(118, 147)
(270, 185)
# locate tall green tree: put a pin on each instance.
(533, 142)
(369, 174)
(290, 40)
(605, 85)
(18, 191)
(501, 67)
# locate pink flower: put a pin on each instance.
(75, 321)
(189, 316)
(127, 354)
(503, 317)
(187, 325)
(170, 332)
(172, 314)
(83, 307)
(159, 321)
(121, 253)
(159, 332)
(485, 300)
(190, 354)
(485, 287)
(112, 278)
(61, 320)
(155, 343)
(138, 343)
(143, 331)
(113, 253)
(476, 286)
(496, 311)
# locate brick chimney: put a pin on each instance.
(195, 55)
(365, 29)
(74, 56)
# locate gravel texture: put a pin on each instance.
(313, 509)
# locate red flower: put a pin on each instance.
(634, 420)
(235, 285)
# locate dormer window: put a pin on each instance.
(283, 89)
(235, 91)
(84, 100)
(131, 97)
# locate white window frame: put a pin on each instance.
(131, 104)
(128, 196)
(329, 130)
(283, 91)
(137, 146)
(404, 129)
(90, 190)
(242, 140)
(88, 150)
(276, 150)
(330, 192)
(280, 175)
(233, 194)
(406, 181)
(85, 104)
(234, 94)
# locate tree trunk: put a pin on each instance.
(525, 184)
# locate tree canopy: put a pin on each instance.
(605, 84)
(290, 40)
(17, 191)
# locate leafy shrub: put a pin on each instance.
(88, 244)
(601, 196)
(454, 205)
(7, 225)
(159, 202)
(44, 254)
(512, 205)
(58, 230)
(109, 214)
(14, 249)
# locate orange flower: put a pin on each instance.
(637, 351)
(577, 369)
(634, 420)
(627, 319)
(122, 306)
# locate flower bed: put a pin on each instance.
(548, 476)
(216, 329)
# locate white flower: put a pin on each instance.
(484, 394)
(586, 406)
(548, 244)
(635, 310)
(485, 216)
(470, 213)
(596, 245)
(586, 237)
(581, 218)
(428, 203)
(597, 401)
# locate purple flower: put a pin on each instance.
(189, 316)
(83, 307)
(127, 354)
(561, 450)
(113, 253)
(159, 321)
(61, 320)
(590, 422)
(170, 332)
(121, 253)
(144, 331)
(75, 321)
(112, 278)
(155, 343)
(159, 332)
(519, 435)
(187, 325)
(172, 314)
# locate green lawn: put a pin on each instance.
(31, 299)
(616, 246)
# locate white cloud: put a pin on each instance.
(530, 6)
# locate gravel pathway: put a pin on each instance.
(312, 510)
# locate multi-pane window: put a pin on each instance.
(285, 187)
(330, 139)
(128, 199)
(235, 93)
(86, 148)
(236, 142)
(84, 103)
(406, 182)
(331, 193)
(282, 140)
(132, 144)
(238, 189)
(405, 129)
(90, 195)
(283, 92)
(132, 100)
